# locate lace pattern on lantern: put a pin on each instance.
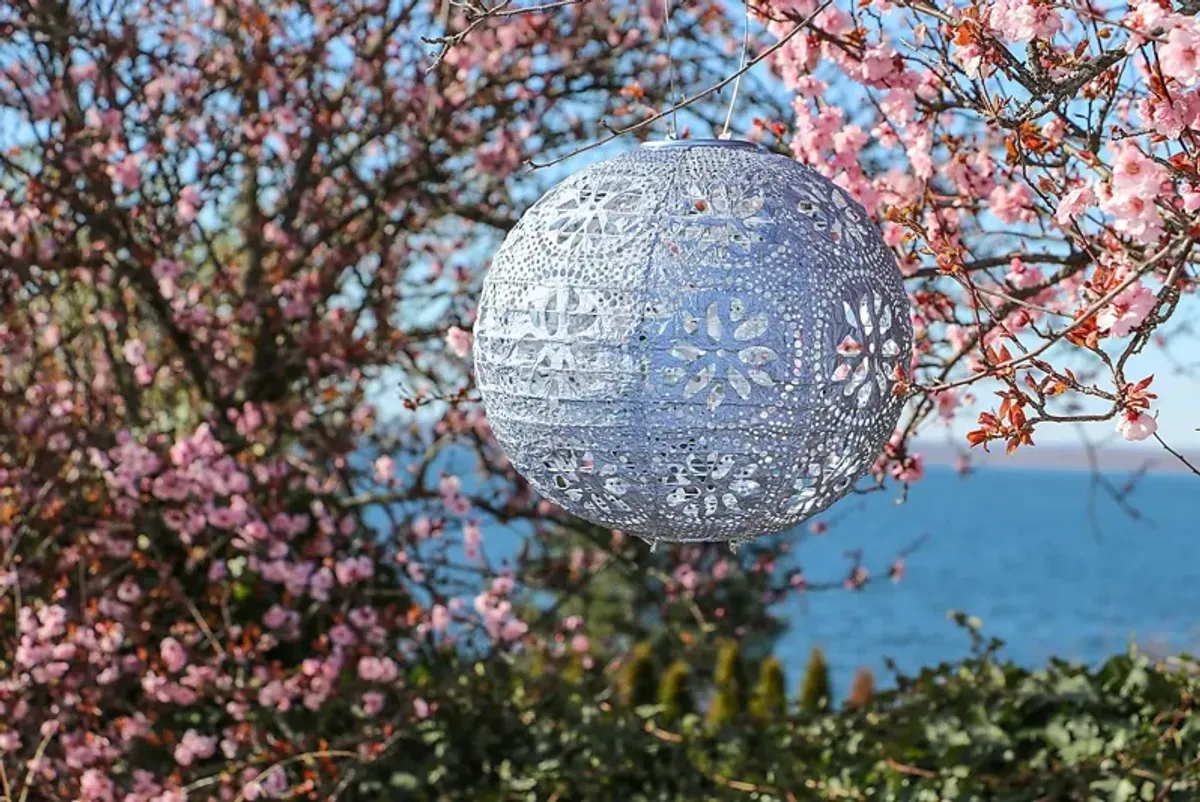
(693, 343)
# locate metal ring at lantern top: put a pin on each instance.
(659, 144)
(693, 340)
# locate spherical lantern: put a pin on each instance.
(696, 340)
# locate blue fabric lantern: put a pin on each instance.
(695, 340)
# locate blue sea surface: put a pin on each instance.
(1050, 569)
(1052, 565)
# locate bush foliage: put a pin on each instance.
(816, 692)
(979, 729)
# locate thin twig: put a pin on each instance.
(673, 126)
(750, 788)
(1177, 455)
(905, 769)
(449, 41)
(512, 12)
(4, 781)
(1014, 300)
(204, 627)
(705, 625)
(33, 764)
(294, 759)
(1000, 261)
(1081, 320)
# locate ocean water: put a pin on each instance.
(1050, 569)
(1052, 566)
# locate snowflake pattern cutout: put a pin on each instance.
(594, 209)
(831, 212)
(572, 473)
(716, 352)
(866, 357)
(822, 480)
(557, 318)
(704, 486)
(723, 221)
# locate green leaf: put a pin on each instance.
(404, 780)
(1124, 790)
(1057, 734)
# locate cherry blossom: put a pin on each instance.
(1024, 20)
(1134, 425)
(1127, 311)
(1073, 204)
(1011, 202)
(459, 341)
(385, 469)
(193, 747)
(1134, 173)
(1180, 55)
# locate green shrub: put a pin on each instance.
(674, 694)
(729, 680)
(979, 729)
(815, 691)
(770, 694)
(638, 681)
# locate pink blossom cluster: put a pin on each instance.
(1131, 195)
(496, 611)
(958, 159)
(1025, 20)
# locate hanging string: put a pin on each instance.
(703, 93)
(741, 70)
(673, 123)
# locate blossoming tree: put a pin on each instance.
(229, 231)
(1031, 166)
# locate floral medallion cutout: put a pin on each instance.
(821, 481)
(548, 339)
(867, 356)
(578, 476)
(832, 213)
(704, 486)
(719, 351)
(594, 211)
